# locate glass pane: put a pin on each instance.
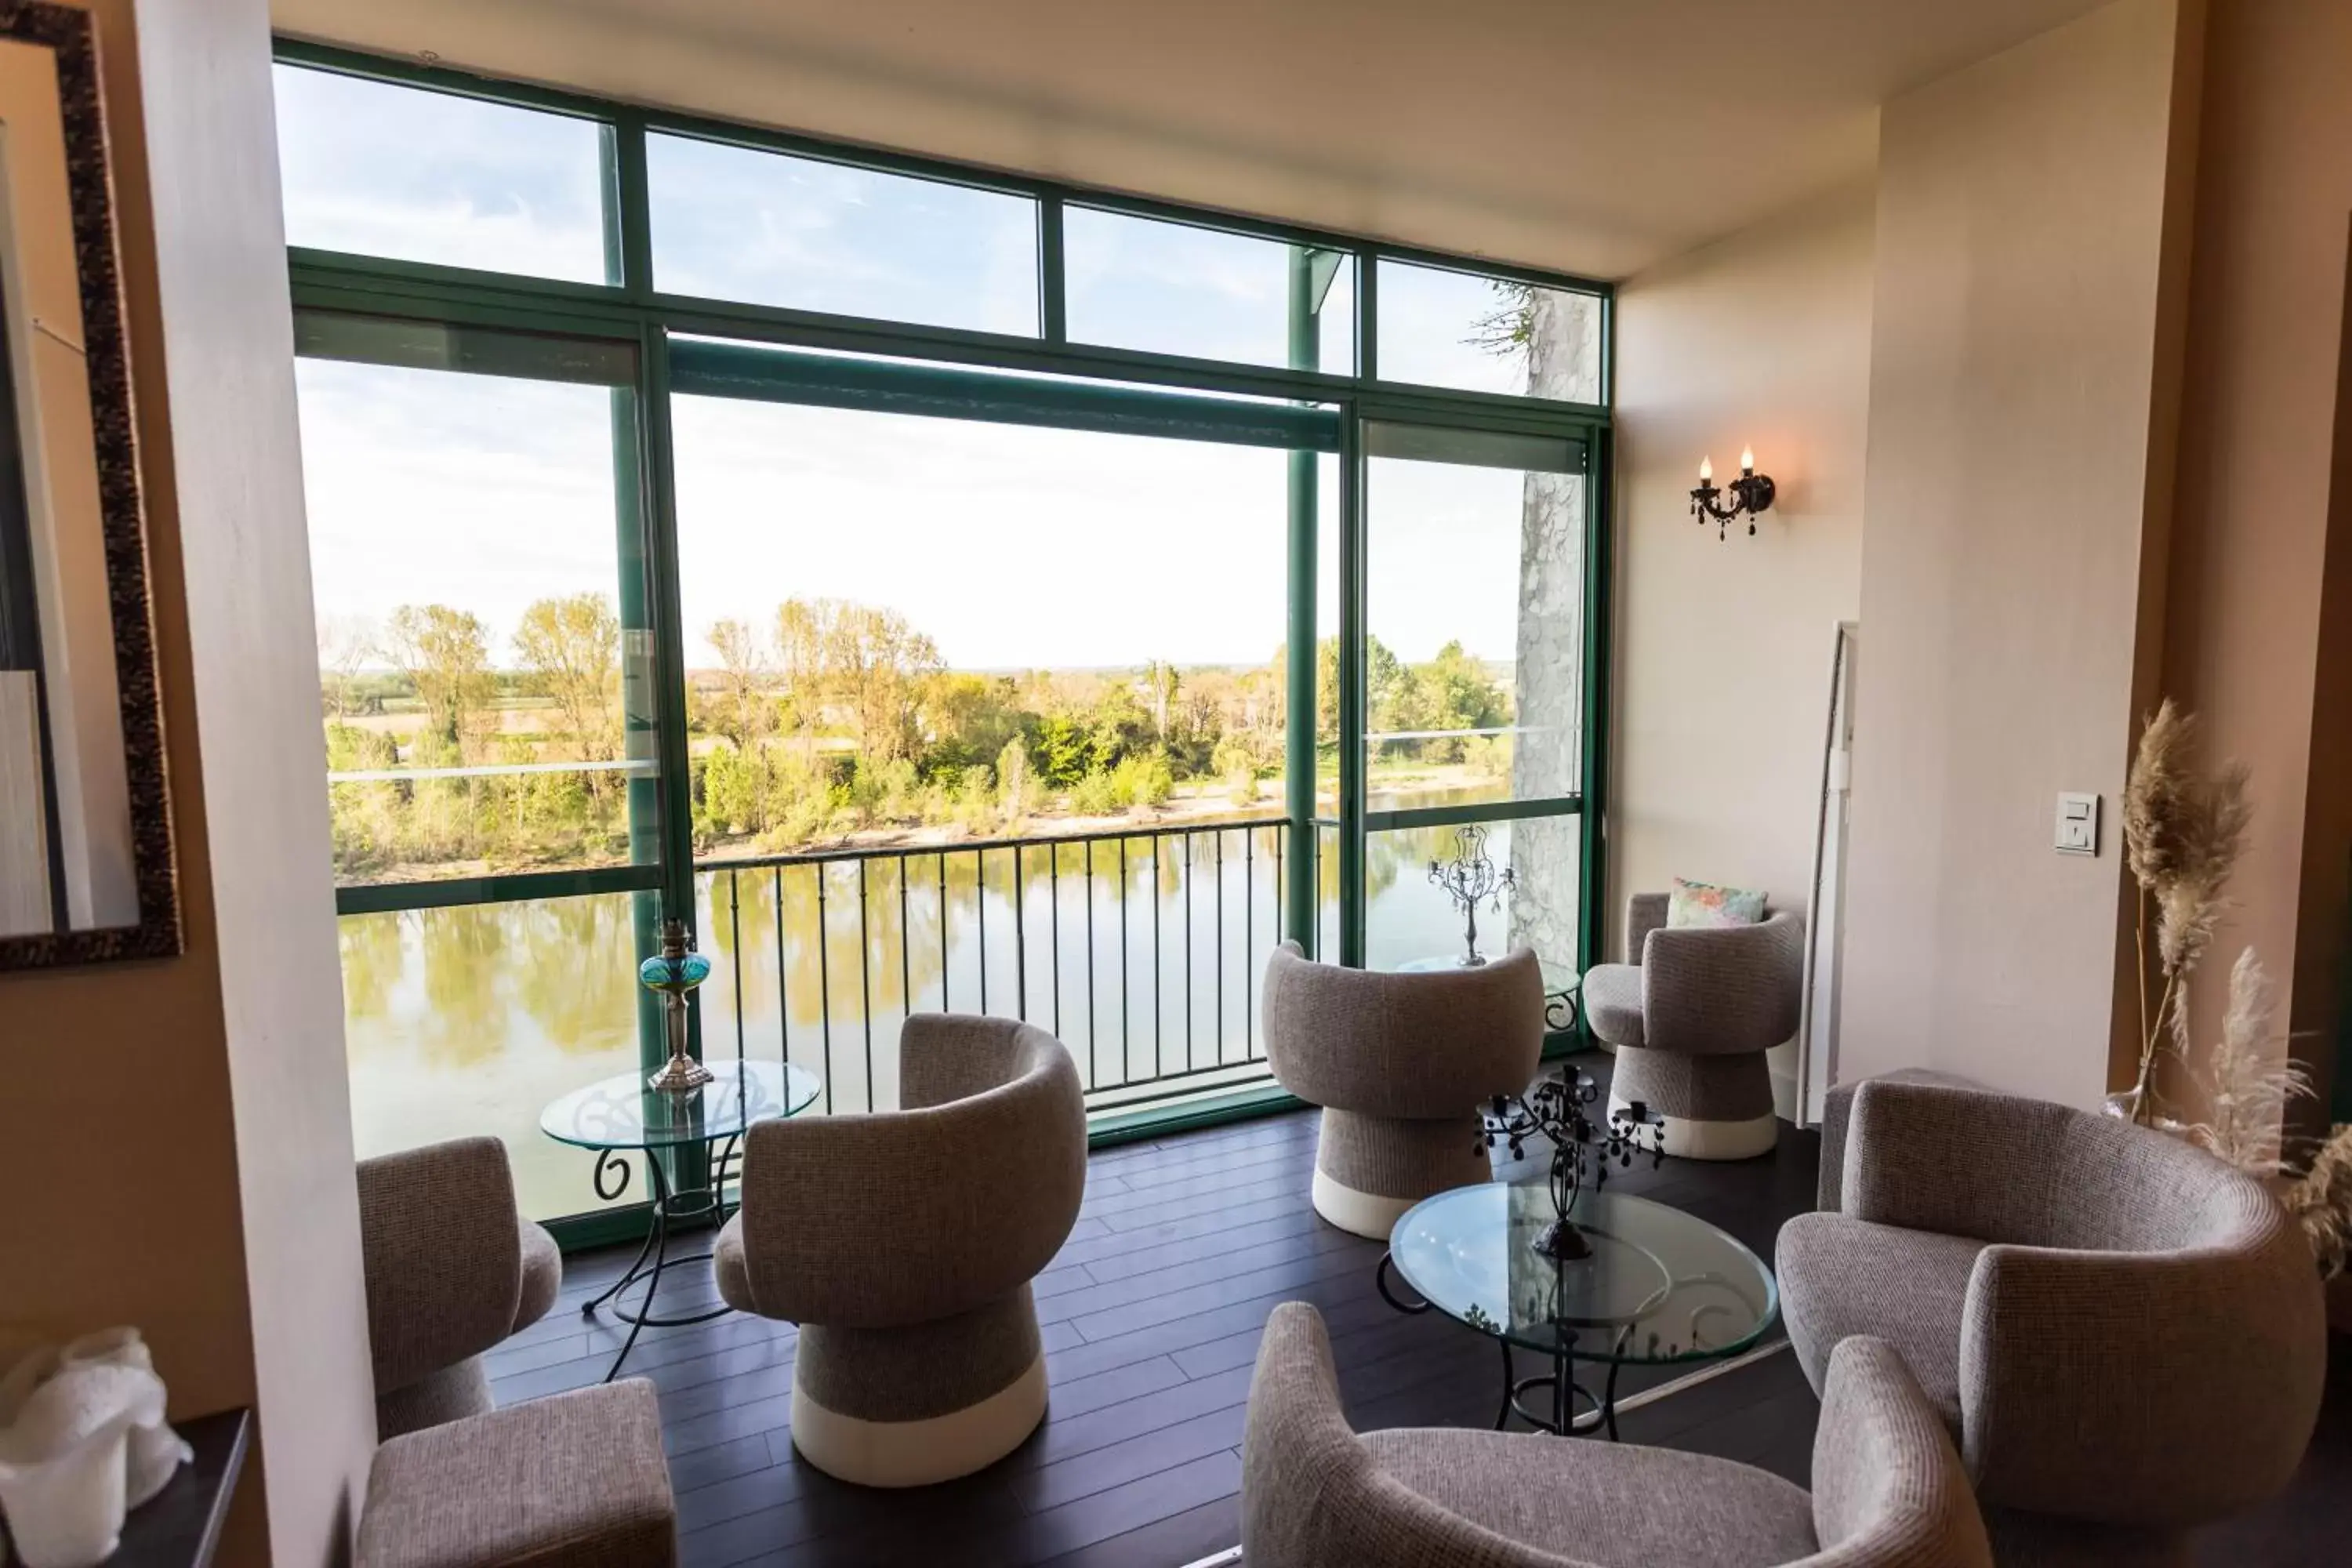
(1475, 603)
(465, 1021)
(1410, 920)
(486, 682)
(906, 632)
(731, 223)
(1172, 287)
(817, 544)
(1479, 334)
(381, 170)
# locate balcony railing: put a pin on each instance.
(1141, 949)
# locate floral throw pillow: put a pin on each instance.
(1704, 904)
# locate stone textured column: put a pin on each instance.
(1548, 683)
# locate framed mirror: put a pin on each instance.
(86, 866)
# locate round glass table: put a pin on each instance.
(620, 1117)
(1660, 1286)
(1561, 984)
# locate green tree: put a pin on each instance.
(740, 714)
(1064, 750)
(1381, 674)
(570, 650)
(1161, 682)
(345, 644)
(445, 655)
(1016, 791)
(874, 663)
(967, 719)
(800, 666)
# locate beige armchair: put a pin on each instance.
(1888, 1491)
(575, 1479)
(1691, 1021)
(903, 1244)
(1400, 1065)
(2123, 1335)
(452, 1269)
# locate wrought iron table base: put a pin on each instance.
(1565, 1419)
(706, 1202)
(1600, 1411)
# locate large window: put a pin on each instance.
(939, 589)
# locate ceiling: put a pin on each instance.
(1598, 136)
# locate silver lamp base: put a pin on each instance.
(680, 1075)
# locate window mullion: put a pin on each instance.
(632, 216)
(1053, 279)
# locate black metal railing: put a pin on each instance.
(1142, 950)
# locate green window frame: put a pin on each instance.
(380, 309)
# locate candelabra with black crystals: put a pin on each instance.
(1583, 1147)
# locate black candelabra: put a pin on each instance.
(1471, 880)
(1750, 495)
(1583, 1146)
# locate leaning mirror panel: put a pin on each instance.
(85, 857)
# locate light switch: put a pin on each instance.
(2078, 823)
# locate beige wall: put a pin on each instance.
(181, 1127)
(2017, 372)
(2259, 592)
(1723, 647)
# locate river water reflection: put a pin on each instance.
(468, 1019)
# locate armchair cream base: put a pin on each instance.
(1687, 1138)
(1369, 1169)
(920, 1452)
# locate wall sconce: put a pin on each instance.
(1750, 494)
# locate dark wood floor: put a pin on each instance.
(1151, 1316)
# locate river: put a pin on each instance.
(469, 1019)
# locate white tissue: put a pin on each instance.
(82, 1441)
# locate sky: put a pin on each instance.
(1013, 547)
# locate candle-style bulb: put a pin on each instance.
(1706, 470)
(1747, 459)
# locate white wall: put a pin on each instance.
(2018, 364)
(1723, 648)
(228, 354)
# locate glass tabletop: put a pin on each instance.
(1558, 978)
(623, 1114)
(1660, 1286)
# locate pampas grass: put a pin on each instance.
(2251, 1077)
(2184, 831)
(2322, 1202)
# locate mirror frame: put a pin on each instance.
(68, 32)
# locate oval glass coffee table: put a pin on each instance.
(1660, 1286)
(618, 1117)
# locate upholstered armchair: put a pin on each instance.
(576, 1479)
(452, 1269)
(1691, 1022)
(1400, 1065)
(903, 1244)
(2124, 1335)
(1888, 1491)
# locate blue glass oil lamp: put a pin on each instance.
(674, 972)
